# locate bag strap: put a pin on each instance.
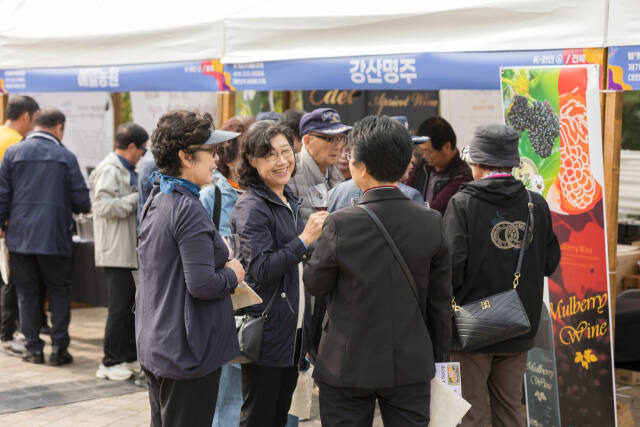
(144, 214)
(148, 205)
(217, 207)
(268, 306)
(523, 246)
(525, 238)
(396, 253)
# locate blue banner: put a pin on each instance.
(422, 71)
(196, 76)
(623, 68)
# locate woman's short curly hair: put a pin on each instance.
(176, 131)
(228, 151)
(256, 144)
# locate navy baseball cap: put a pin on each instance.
(323, 120)
(268, 115)
(417, 140)
(402, 119)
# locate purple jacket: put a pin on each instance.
(185, 327)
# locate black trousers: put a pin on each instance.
(189, 403)
(119, 333)
(400, 406)
(9, 313)
(266, 395)
(27, 272)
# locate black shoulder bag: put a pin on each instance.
(249, 330)
(217, 207)
(498, 317)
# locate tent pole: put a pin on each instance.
(116, 99)
(3, 108)
(226, 107)
(612, 141)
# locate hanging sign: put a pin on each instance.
(205, 76)
(556, 111)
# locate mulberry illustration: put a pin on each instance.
(544, 128)
(519, 112)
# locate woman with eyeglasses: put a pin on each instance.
(185, 329)
(273, 244)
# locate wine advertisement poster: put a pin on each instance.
(569, 379)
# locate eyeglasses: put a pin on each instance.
(207, 148)
(201, 148)
(273, 156)
(331, 139)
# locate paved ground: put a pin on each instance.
(86, 330)
(130, 407)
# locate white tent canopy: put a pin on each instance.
(336, 28)
(623, 27)
(71, 33)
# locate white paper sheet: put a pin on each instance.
(244, 296)
(447, 408)
(4, 260)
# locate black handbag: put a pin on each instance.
(249, 330)
(498, 317)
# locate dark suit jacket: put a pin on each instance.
(373, 333)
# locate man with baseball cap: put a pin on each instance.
(344, 194)
(485, 225)
(323, 135)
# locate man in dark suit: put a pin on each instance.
(379, 341)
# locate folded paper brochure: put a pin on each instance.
(447, 405)
(244, 296)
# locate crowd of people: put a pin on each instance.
(359, 290)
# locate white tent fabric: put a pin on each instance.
(295, 29)
(623, 28)
(72, 33)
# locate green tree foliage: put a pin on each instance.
(631, 121)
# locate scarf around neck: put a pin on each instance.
(168, 183)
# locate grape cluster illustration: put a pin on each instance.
(519, 113)
(540, 120)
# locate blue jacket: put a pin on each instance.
(270, 252)
(40, 187)
(184, 318)
(229, 198)
(146, 166)
(340, 196)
